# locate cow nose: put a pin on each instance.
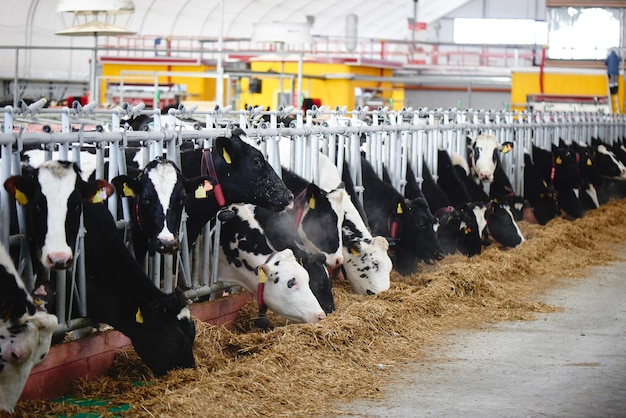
(168, 245)
(320, 316)
(369, 292)
(439, 255)
(59, 260)
(291, 203)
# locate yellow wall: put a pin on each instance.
(197, 88)
(333, 92)
(560, 81)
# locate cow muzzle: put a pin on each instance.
(167, 246)
(58, 260)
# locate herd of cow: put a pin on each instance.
(283, 238)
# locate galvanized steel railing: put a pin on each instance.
(390, 139)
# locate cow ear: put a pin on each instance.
(227, 148)
(126, 186)
(506, 147)
(313, 192)
(97, 191)
(469, 140)
(20, 188)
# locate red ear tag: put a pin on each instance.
(219, 195)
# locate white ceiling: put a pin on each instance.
(33, 22)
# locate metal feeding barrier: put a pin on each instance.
(389, 139)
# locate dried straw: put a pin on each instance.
(305, 369)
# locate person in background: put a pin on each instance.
(612, 69)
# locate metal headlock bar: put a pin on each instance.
(389, 139)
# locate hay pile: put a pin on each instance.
(305, 369)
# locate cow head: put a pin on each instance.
(367, 264)
(565, 166)
(458, 230)
(245, 175)
(286, 290)
(25, 333)
(164, 333)
(482, 155)
(541, 196)
(319, 217)
(159, 193)
(607, 161)
(501, 224)
(54, 193)
(587, 166)
(319, 280)
(415, 229)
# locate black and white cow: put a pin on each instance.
(559, 169)
(458, 230)
(408, 224)
(457, 184)
(54, 193)
(608, 163)
(118, 291)
(541, 196)
(434, 194)
(501, 224)
(25, 333)
(276, 278)
(482, 156)
(318, 215)
(367, 264)
(157, 195)
(589, 173)
(241, 175)
(281, 233)
(611, 162)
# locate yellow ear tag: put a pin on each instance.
(100, 196)
(139, 316)
(558, 160)
(355, 252)
(262, 276)
(312, 202)
(200, 193)
(226, 156)
(399, 209)
(20, 197)
(127, 191)
(506, 148)
(589, 162)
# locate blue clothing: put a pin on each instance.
(612, 63)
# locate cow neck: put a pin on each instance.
(393, 220)
(552, 170)
(207, 167)
(299, 204)
(262, 321)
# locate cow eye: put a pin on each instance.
(291, 283)
(257, 161)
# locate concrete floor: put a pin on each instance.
(565, 364)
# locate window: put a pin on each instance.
(500, 31)
(582, 32)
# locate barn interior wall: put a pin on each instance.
(560, 82)
(337, 90)
(197, 88)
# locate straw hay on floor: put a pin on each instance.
(305, 369)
